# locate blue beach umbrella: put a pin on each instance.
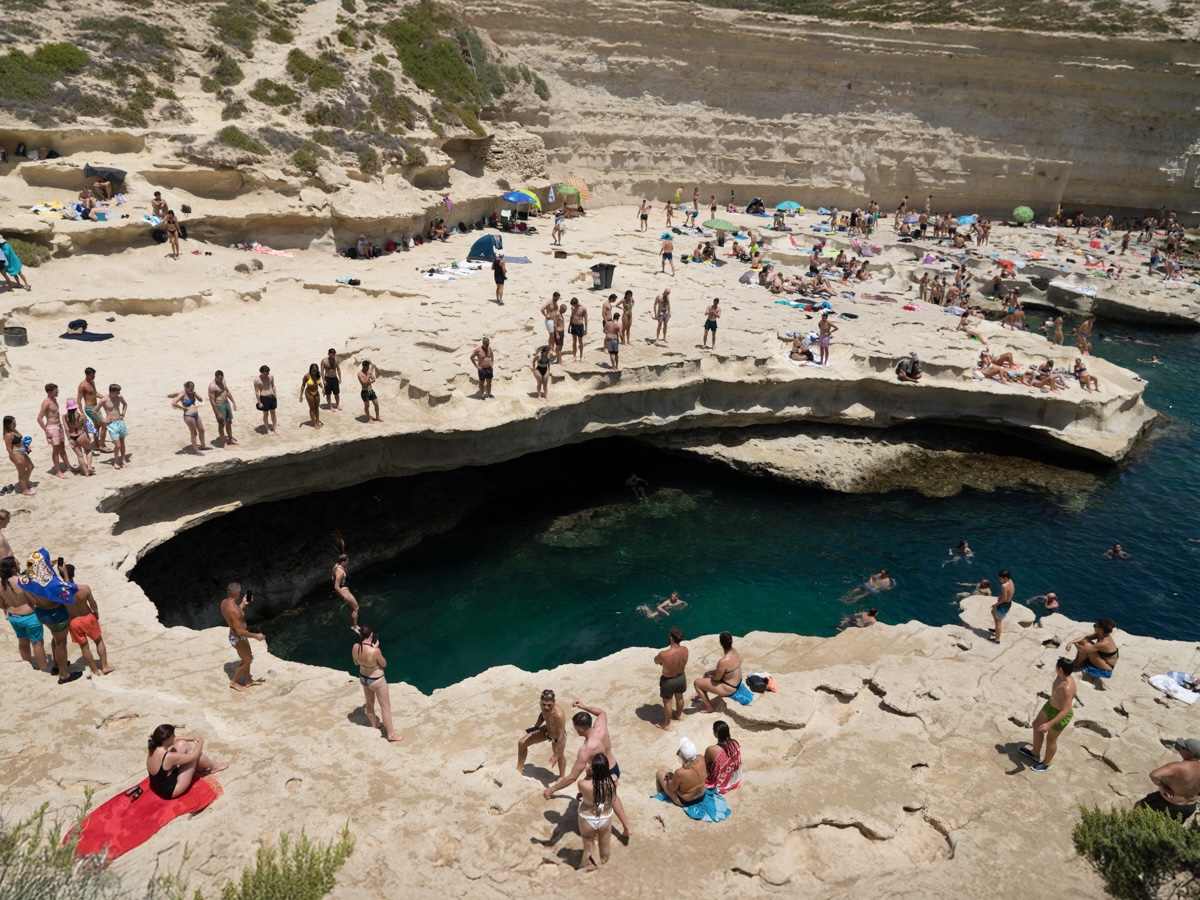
(515, 197)
(966, 220)
(787, 206)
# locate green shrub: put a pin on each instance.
(61, 58)
(318, 73)
(165, 93)
(272, 93)
(236, 25)
(235, 110)
(346, 38)
(540, 87)
(280, 34)
(35, 860)
(369, 161)
(227, 72)
(526, 75)
(299, 871)
(349, 6)
(380, 60)
(416, 156)
(32, 255)
(1139, 851)
(232, 136)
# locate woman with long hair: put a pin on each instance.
(341, 578)
(597, 791)
(369, 659)
(78, 437)
(171, 226)
(190, 404)
(310, 390)
(22, 615)
(174, 761)
(724, 760)
(14, 443)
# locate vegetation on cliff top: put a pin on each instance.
(1142, 854)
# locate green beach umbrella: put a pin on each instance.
(1023, 214)
(787, 206)
(567, 189)
(720, 225)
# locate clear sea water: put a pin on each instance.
(560, 580)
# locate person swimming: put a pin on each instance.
(664, 609)
(880, 581)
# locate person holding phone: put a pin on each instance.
(371, 663)
(233, 610)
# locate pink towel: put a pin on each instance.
(913, 307)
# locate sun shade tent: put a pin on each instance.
(114, 175)
(484, 249)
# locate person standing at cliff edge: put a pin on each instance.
(673, 680)
(233, 610)
(483, 358)
(1054, 716)
(1003, 604)
(825, 337)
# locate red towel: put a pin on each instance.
(122, 824)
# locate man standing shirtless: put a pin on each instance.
(331, 376)
(233, 610)
(673, 681)
(366, 380)
(825, 330)
(1178, 783)
(267, 400)
(84, 624)
(483, 358)
(551, 726)
(560, 332)
(112, 419)
(86, 398)
(1053, 717)
(50, 420)
(578, 328)
(710, 322)
(1003, 603)
(223, 406)
(594, 732)
(549, 308)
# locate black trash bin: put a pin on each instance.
(602, 275)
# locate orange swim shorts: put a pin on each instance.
(85, 627)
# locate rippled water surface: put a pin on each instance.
(560, 579)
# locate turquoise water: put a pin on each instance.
(558, 576)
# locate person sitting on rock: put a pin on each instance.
(366, 250)
(909, 370)
(103, 188)
(1096, 654)
(686, 785)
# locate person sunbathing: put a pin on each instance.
(1085, 380)
(800, 353)
(863, 274)
(1005, 360)
(737, 250)
(1044, 377)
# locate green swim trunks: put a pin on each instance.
(224, 411)
(1051, 712)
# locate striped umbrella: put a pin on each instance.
(580, 185)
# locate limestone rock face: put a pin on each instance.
(646, 95)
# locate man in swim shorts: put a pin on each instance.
(578, 328)
(50, 420)
(672, 682)
(483, 359)
(551, 727)
(21, 614)
(644, 214)
(223, 406)
(825, 330)
(591, 724)
(366, 380)
(86, 398)
(266, 400)
(112, 411)
(1054, 717)
(710, 322)
(1003, 603)
(331, 377)
(85, 623)
(612, 341)
(1178, 783)
(233, 611)
(56, 617)
(1096, 654)
(560, 332)
(548, 310)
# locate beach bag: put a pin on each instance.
(185, 209)
(391, 246)
(160, 236)
(183, 232)
(756, 683)
(351, 253)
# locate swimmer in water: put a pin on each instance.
(860, 620)
(1116, 553)
(1153, 360)
(961, 550)
(664, 609)
(983, 588)
(1048, 601)
(880, 581)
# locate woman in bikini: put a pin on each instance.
(78, 438)
(597, 789)
(190, 404)
(341, 577)
(171, 225)
(541, 371)
(723, 760)
(310, 390)
(1085, 380)
(369, 659)
(686, 785)
(626, 316)
(722, 681)
(14, 443)
(174, 762)
(1096, 653)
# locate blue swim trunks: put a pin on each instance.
(1002, 611)
(117, 430)
(55, 619)
(1097, 673)
(29, 626)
